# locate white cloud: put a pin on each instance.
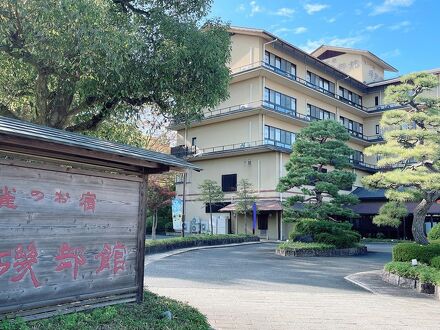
(240, 8)
(331, 20)
(286, 12)
(312, 8)
(348, 42)
(297, 30)
(404, 25)
(255, 8)
(373, 27)
(390, 54)
(391, 6)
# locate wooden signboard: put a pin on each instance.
(68, 240)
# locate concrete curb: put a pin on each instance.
(159, 256)
(350, 278)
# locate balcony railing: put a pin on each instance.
(193, 152)
(320, 89)
(292, 113)
(188, 152)
(362, 136)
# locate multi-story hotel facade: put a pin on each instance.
(275, 90)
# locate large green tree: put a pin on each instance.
(318, 169)
(410, 156)
(72, 64)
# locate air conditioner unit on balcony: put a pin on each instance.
(244, 106)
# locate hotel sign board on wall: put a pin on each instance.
(67, 238)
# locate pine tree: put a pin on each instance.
(211, 193)
(317, 149)
(410, 156)
(245, 199)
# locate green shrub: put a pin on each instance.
(147, 315)
(292, 246)
(435, 262)
(408, 251)
(326, 232)
(423, 273)
(434, 233)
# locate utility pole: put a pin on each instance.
(183, 203)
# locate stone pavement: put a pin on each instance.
(248, 287)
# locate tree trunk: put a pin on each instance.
(210, 214)
(154, 226)
(418, 224)
(245, 223)
(236, 223)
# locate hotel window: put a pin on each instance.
(376, 100)
(229, 182)
(278, 137)
(377, 129)
(274, 99)
(357, 157)
(323, 84)
(279, 63)
(353, 126)
(350, 96)
(316, 113)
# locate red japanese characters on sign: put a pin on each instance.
(70, 257)
(23, 263)
(61, 197)
(4, 266)
(87, 200)
(111, 257)
(7, 198)
(117, 253)
(37, 195)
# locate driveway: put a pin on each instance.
(249, 287)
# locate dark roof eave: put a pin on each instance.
(21, 129)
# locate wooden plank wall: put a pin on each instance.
(38, 218)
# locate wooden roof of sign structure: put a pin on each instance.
(17, 135)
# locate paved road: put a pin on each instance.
(249, 287)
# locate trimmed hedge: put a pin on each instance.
(435, 262)
(293, 246)
(423, 273)
(434, 233)
(408, 251)
(338, 234)
(169, 244)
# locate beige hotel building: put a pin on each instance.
(275, 90)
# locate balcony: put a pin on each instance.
(360, 165)
(247, 147)
(276, 108)
(291, 77)
(182, 151)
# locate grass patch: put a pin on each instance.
(423, 273)
(148, 315)
(196, 238)
(293, 246)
